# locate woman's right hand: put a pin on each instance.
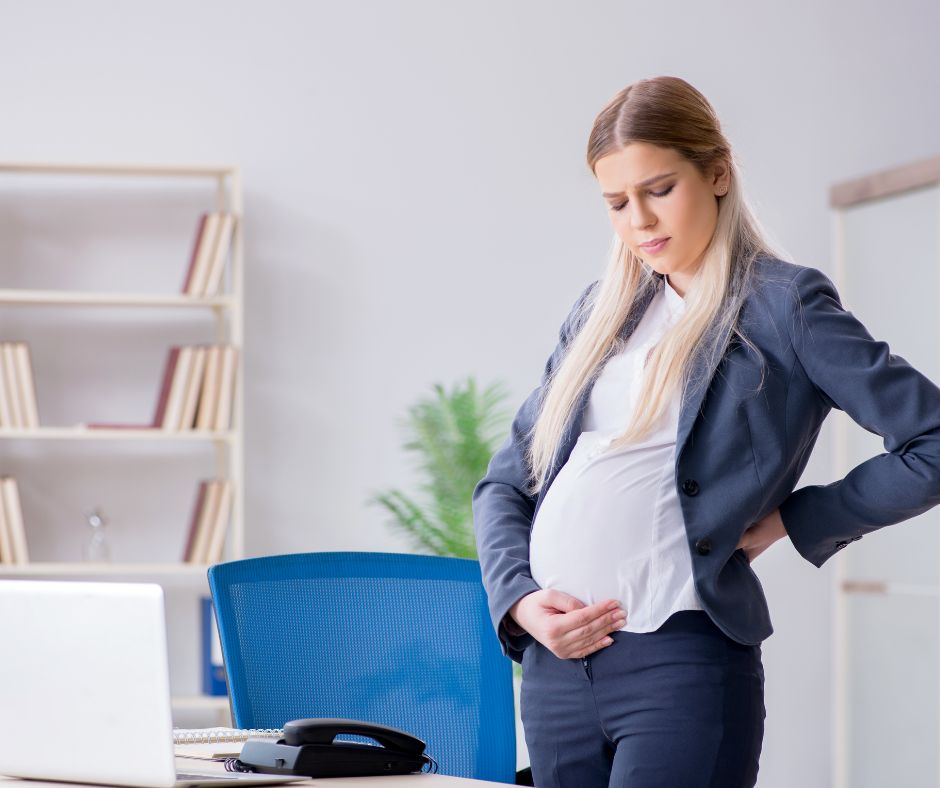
(565, 625)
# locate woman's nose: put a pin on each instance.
(641, 217)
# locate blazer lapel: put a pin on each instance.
(692, 397)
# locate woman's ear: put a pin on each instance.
(721, 177)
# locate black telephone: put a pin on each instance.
(308, 749)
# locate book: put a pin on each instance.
(204, 249)
(166, 384)
(13, 386)
(210, 506)
(223, 418)
(6, 539)
(219, 255)
(173, 412)
(6, 413)
(209, 401)
(13, 517)
(194, 522)
(193, 388)
(194, 255)
(209, 522)
(196, 391)
(219, 525)
(27, 387)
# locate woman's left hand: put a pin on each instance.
(762, 535)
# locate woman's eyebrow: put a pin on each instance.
(647, 182)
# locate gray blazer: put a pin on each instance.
(739, 455)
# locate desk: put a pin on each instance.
(421, 780)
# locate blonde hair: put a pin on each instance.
(670, 113)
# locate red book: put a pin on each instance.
(194, 522)
(195, 253)
(168, 371)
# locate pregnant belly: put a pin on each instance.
(598, 530)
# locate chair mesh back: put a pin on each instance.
(402, 640)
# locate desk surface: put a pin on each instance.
(421, 780)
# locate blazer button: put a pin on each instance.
(704, 546)
(690, 487)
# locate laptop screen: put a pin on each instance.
(85, 692)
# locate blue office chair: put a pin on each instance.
(402, 640)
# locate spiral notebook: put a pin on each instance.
(217, 744)
(219, 735)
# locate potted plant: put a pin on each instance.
(451, 436)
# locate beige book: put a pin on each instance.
(24, 369)
(220, 524)
(6, 415)
(14, 518)
(12, 387)
(6, 540)
(193, 388)
(223, 419)
(207, 244)
(204, 532)
(209, 400)
(177, 396)
(220, 254)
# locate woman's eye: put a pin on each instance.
(663, 193)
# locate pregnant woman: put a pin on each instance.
(658, 457)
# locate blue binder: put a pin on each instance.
(213, 670)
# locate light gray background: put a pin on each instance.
(417, 209)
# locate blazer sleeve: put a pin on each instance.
(503, 511)
(883, 393)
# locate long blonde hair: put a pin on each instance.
(667, 112)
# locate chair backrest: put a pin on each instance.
(402, 640)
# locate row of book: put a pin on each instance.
(13, 548)
(196, 391)
(210, 250)
(209, 523)
(18, 408)
(205, 538)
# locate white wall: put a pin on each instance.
(418, 209)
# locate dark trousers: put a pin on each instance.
(681, 707)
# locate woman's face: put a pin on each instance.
(654, 193)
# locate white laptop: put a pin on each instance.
(84, 686)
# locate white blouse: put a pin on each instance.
(610, 525)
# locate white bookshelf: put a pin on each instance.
(227, 313)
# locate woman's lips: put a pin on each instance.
(656, 248)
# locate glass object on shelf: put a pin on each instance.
(97, 548)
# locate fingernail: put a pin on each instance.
(608, 641)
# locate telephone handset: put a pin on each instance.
(308, 748)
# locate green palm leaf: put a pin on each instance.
(451, 436)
